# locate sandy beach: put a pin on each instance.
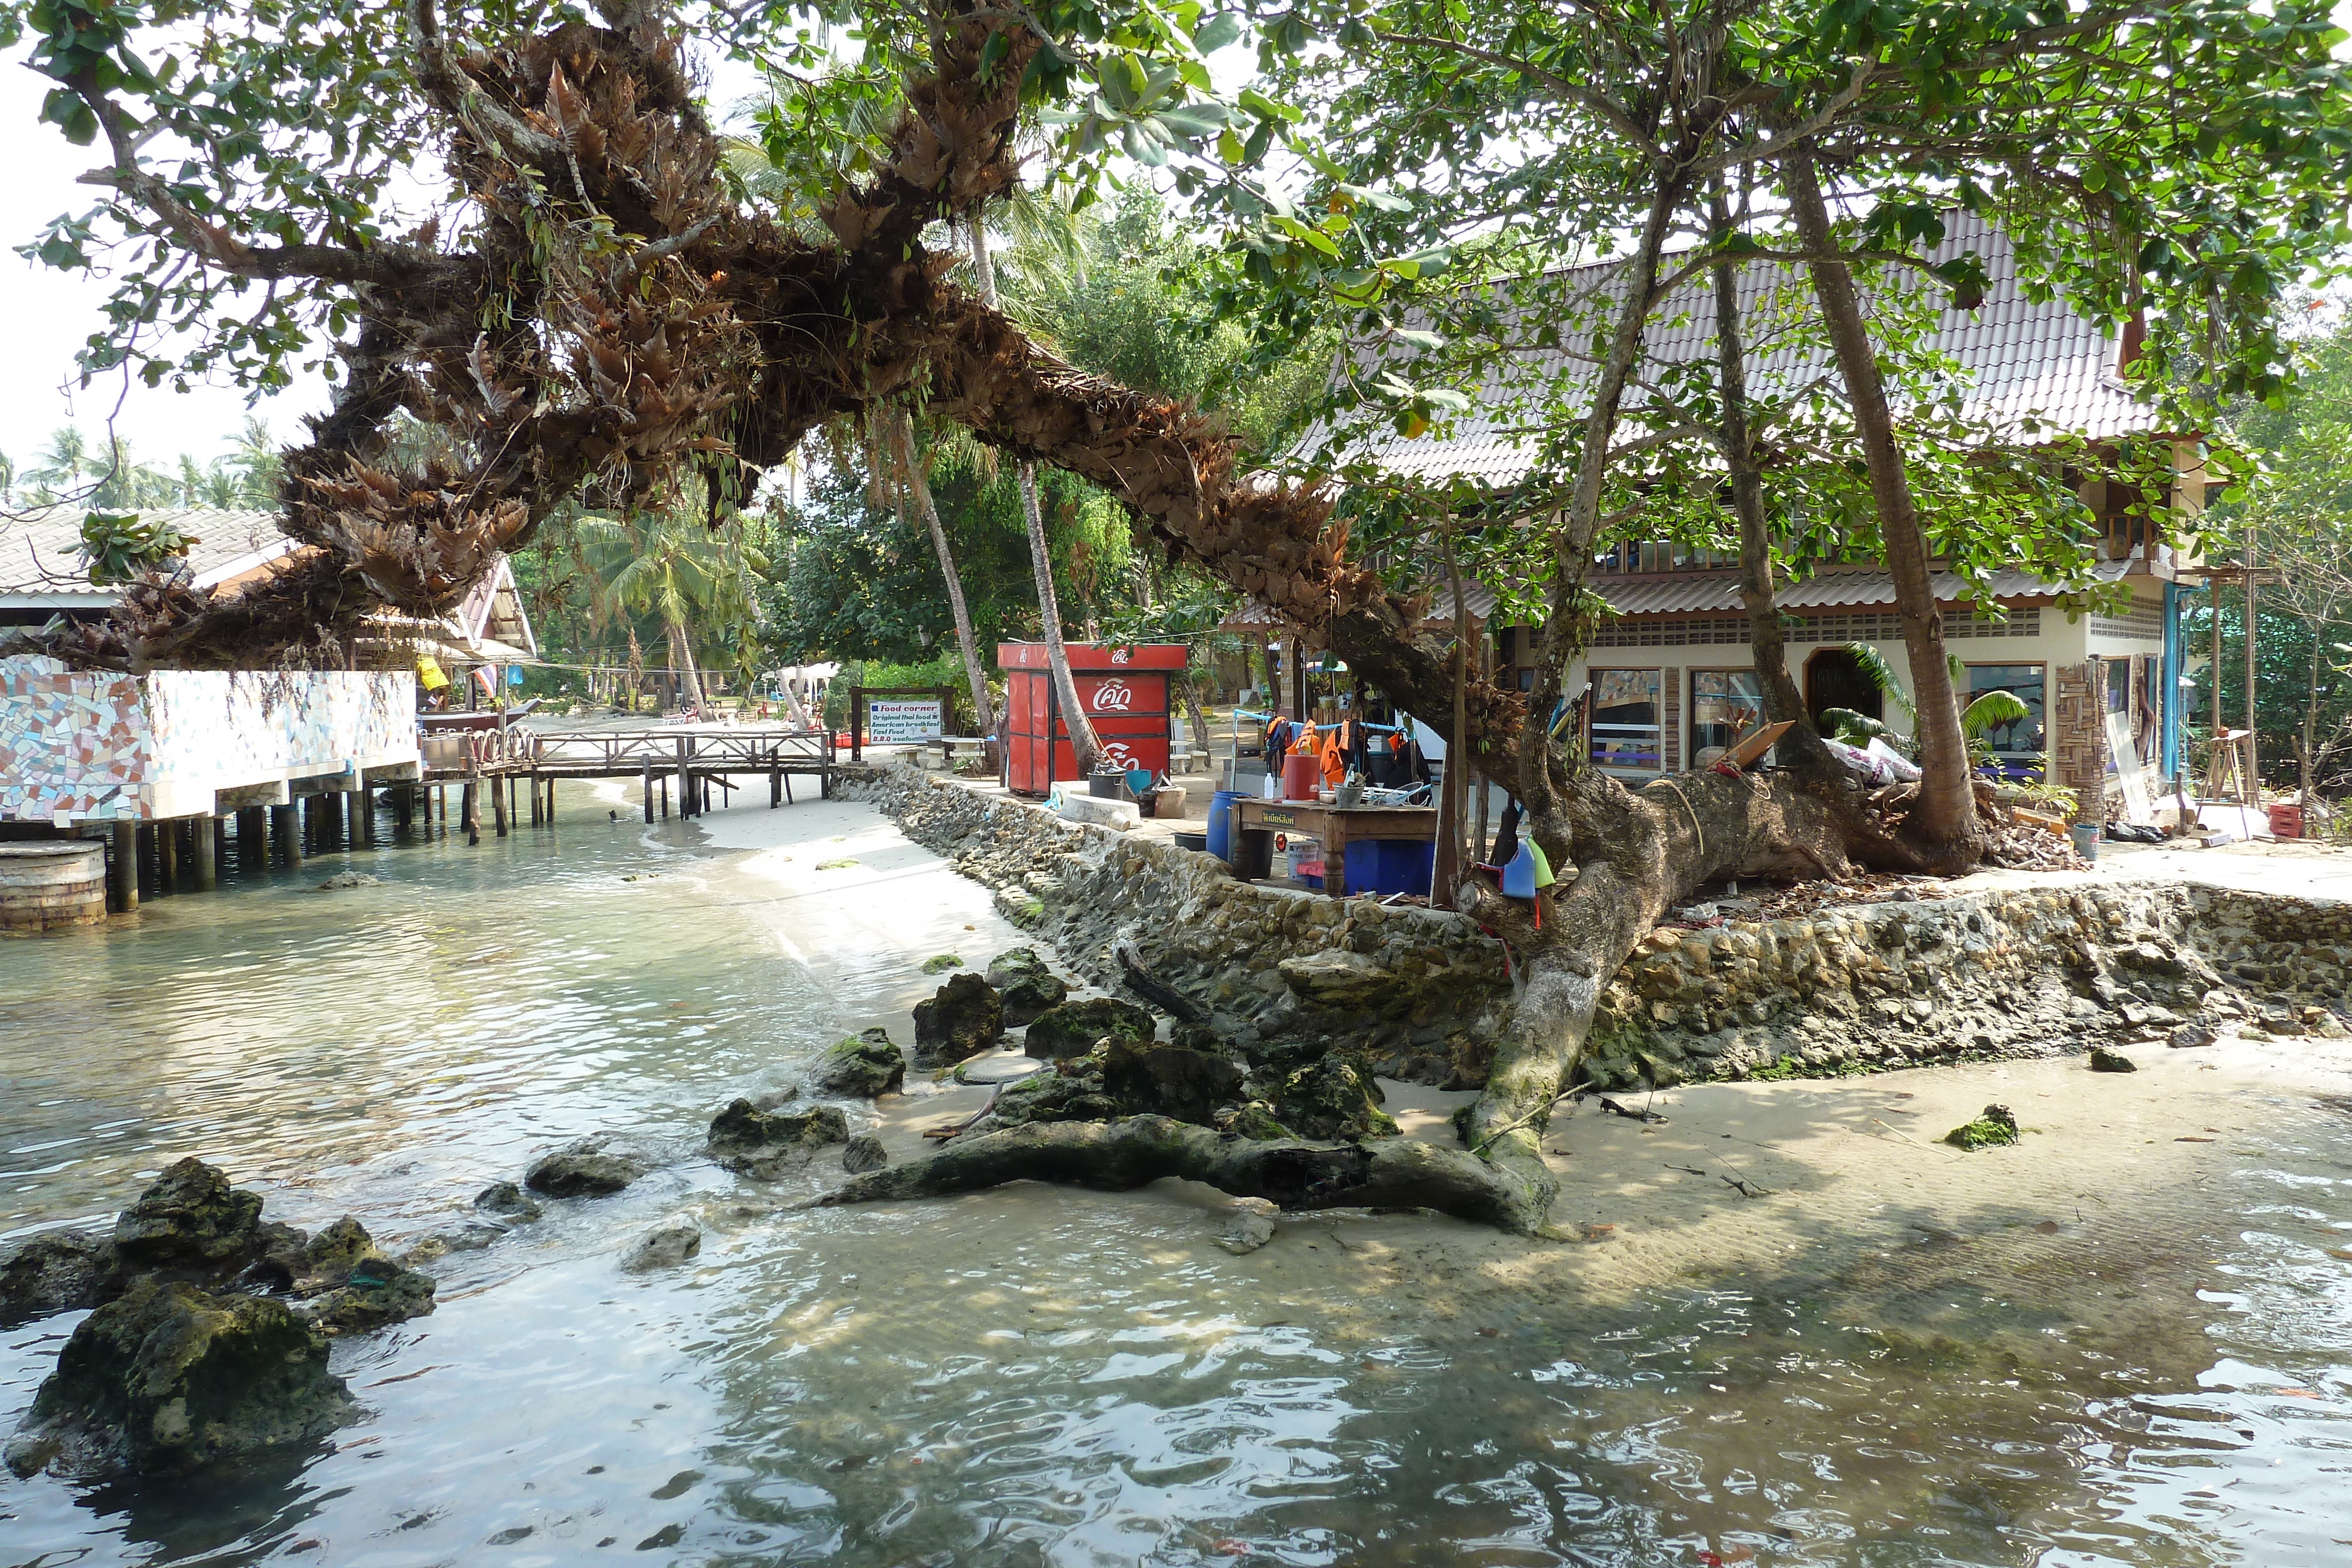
(1795, 1178)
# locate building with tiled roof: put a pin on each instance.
(1670, 681)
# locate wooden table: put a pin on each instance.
(1334, 827)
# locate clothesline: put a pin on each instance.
(1358, 723)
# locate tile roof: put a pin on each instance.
(1707, 592)
(41, 559)
(2025, 363)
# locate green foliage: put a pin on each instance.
(121, 546)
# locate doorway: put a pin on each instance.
(1835, 678)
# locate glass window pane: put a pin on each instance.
(1725, 707)
(2017, 741)
(1626, 732)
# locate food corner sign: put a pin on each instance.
(902, 721)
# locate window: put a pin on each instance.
(2015, 742)
(1725, 707)
(1628, 731)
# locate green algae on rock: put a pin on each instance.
(1995, 1128)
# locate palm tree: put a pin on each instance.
(253, 457)
(665, 563)
(8, 477)
(1041, 561)
(60, 467)
(915, 482)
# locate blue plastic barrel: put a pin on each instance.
(1220, 823)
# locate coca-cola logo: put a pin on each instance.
(1120, 655)
(1114, 696)
(1117, 752)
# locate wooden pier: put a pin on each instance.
(691, 762)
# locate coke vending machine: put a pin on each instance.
(1124, 693)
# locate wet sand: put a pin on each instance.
(1833, 1170)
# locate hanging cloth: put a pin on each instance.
(1335, 758)
(1506, 834)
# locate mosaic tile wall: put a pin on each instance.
(77, 744)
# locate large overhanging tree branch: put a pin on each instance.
(606, 314)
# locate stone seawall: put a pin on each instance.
(1421, 993)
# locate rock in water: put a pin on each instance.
(592, 1167)
(1072, 1029)
(506, 1201)
(189, 1219)
(1333, 1099)
(1168, 1079)
(2106, 1061)
(665, 1245)
(57, 1271)
(963, 1019)
(170, 1376)
(1028, 988)
(765, 1143)
(350, 1287)
(1249, 1228)
(1991, 1130)
(866, 1064)
(864, 1153)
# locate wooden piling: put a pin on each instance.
(149, 873)
(220, 848)
(286, 827)
(648, 783)
(534, 801)
(205, 832)
(253, 838)
(122, 868)
(498, 806)
(470, 809)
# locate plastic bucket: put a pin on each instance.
(2286, 821)
(2086, 839)
(1301, 776)
(1221, 822)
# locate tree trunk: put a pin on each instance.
(1190, 691)
(920, 486)
(681, 655)
(1041, 560)
(1943, 821)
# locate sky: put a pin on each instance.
(50, 313)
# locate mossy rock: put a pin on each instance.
(170, 1376)
(189, 1219)
(1148, 1079)
(1255, 1120)
(1333, 1099)
(1055, 1097)
(765, 1143)
(941, 963)
(866, 1064)
(1028, 988)
(962, 1018)
(1995, 1128)
(1072, 1029)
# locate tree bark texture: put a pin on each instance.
(1943, 822)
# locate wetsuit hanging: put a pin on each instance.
(1506, 833)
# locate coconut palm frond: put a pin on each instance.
(1991, 711)
(1875, 667)
(1853, 728)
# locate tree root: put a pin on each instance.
(1114, 1156)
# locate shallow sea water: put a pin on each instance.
(1033, 1377)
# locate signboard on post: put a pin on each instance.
(904, 721)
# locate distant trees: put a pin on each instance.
(71, 468)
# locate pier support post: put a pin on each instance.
(534, 801)
(205, 831)
(648, 782)
(220, 847)
(286, 827)
(470, 809)
(403, 808)
(551, 800)
(150, 873)
(122, 868)
(499, 805)
(252, 838)
(775, 788)
(362, 805)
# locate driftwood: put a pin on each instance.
(1114, 1156)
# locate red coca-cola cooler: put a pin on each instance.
(1123, 691)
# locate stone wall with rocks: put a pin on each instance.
(1423, 994)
